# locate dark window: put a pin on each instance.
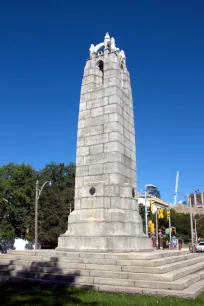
(100, 65)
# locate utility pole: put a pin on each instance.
(36, 214)
(146, 217)
(157, 229)
(169, 225)
(191, 220)
(37, 195)
(196, 234)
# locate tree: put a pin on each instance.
(18, 188)
(182, 224)
(7, 231)
(200, 226)
(54, 202)
(17, 213)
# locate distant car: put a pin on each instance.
(200, 247)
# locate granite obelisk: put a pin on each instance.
(105, 216)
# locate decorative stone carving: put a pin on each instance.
(109, 43)
(113, 46)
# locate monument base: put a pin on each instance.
(119, 244)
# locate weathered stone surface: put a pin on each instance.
(106, 213)
(106, 271)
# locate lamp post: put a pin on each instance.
(37, 195)
(157, 231)
(169, 226)
(191, 220)
(146, 217)
(7, 201)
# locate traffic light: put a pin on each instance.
(173, 230)
(152, 228)
(161, 213)
(168, 215)
(150, 205)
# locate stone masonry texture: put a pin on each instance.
(106, 215)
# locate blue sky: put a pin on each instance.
(43, 49)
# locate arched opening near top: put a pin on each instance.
(100, 65)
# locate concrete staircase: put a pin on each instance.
(160, 273)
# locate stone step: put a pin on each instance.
(179, 284)
(189, 293)
(63, 260)
(106, 272)
(163, 269)
(165, 273)
(170, 276)
(52, 266)
(128, 256)
(63, 266)
(101, 261)
(192, 286)
(48, 270)
(156, 262)
(69, 278)
(149, 256)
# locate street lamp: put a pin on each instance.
(6, 200)
(169, 210)
(191, 219)
(146, 216)
(37, 196)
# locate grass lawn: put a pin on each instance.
(26, 293)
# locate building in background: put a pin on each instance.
(149, 198)
(152, 190)
(185, 209)
(196, 198)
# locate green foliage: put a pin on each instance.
(182, 224)
(142, 211)
(17, 186)
(179, 220)
(184, 237)
(7, 231)
(29, 293)
(200, 226)
(55, 201)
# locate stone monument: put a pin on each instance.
(105, 216)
